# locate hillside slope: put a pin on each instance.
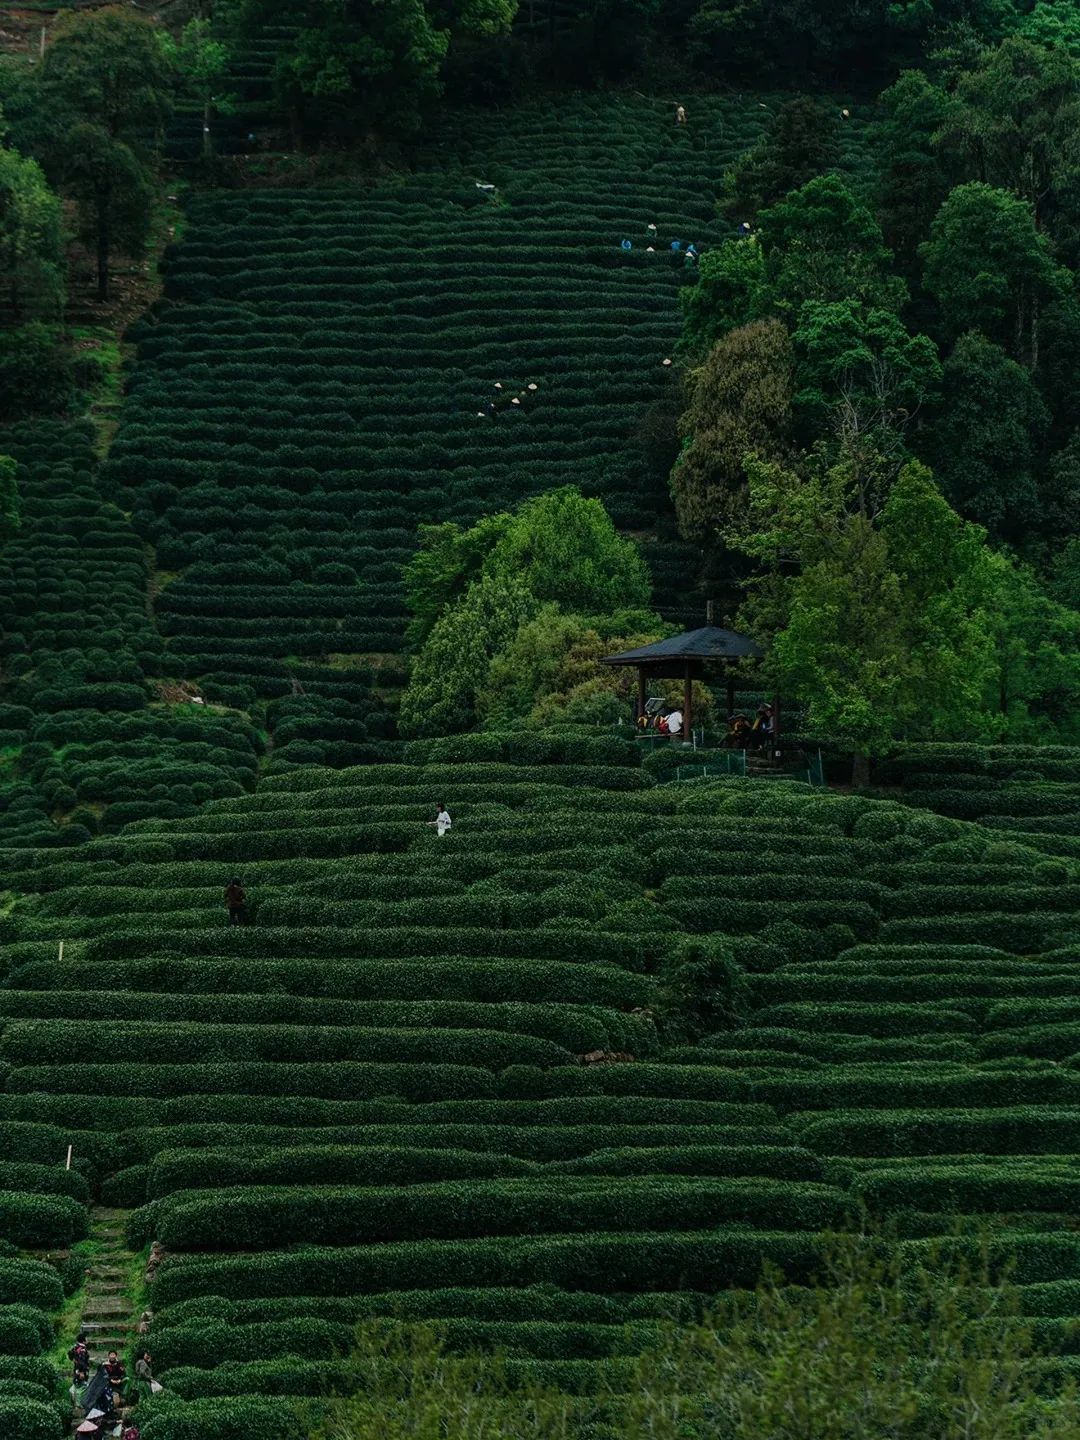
(314, 386)
(317, 384)
(427, 1059)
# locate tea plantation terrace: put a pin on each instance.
(315, 385)
(443, 1077)
(84, 738)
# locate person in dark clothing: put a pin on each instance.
(98, 1394)
(79, 1355)
(114, 1368)
(144, 1376)
(236, 902)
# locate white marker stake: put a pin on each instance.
(68, 1165)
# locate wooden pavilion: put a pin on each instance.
(692, 656)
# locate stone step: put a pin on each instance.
(98, 1306)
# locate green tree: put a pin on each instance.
(740, 406)
(450, 671)
(372, 67)
(1052, 27)
(550, 673)
(822, 243)
(873, 610)
(730, 292)
(1037, 640)
(10, 507)
(990, 269)
(860, 373)
(761, 39)
(109, 74)
(887, 1342)
(202, 61)
(558, 550)
(565, 549)
(800, 142)
(31, 250)
(410, 1387)
(1015, 122)
(985, 442)
(1059, 362)
(1060, 492)
(114, 192)
(916, 170)
(448, 561)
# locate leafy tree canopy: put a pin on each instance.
(377, 65)
(822, 243)
(110, 68)
(108, 73)
(740, 406)
(730, 291)
(861, 366)
(875, 618)
(990, 269)
(31, 252)
(985, 440)
(799, 143)
(557, 555)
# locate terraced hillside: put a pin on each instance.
(313, 388)
(86, 743)
(317, 384)
(443, 1077)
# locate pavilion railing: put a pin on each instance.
(733, 762)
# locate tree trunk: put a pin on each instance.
(207, 148)
(860, 771)
(1034, 332)
(103, 254)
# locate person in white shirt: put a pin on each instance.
(674, 722)
(442, 821)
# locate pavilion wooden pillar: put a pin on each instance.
(776, 722)
(730, 692)
(688, 714)
(640, 692)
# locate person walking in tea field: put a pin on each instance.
(680, 115)
(442, 821)
(236, 902)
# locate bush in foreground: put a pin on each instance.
(876, 1347)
